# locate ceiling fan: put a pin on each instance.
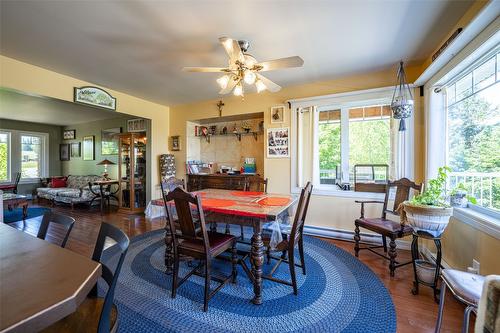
(243, 67)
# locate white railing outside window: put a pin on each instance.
(481, 185)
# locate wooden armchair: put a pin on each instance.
(384, 226)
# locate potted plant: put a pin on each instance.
(429, 210)
(459, 197)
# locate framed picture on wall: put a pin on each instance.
(278, 142)
(76, 149)
(64, 152)
(277, 114)
(69, 134)
(109, 141)
(176, 143)
(88, 148)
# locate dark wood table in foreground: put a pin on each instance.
(248, 209)
(40, 283)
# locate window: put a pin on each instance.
(473, 131)
(24, 152)
(31, 149)
(341, 131)
(4, 157)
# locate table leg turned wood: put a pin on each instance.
(257, 262)
(25, 211)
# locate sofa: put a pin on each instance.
(71, 190)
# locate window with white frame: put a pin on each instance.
(4, 156)
(337, 132)
(473, 130)
(31, 155)
(24, 152)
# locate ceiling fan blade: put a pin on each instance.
(230, 85)
(204, 69)
(232, 49)
(270, 85)
(281, 63)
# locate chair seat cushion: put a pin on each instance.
(85, 319)
(218, 243)
(465, 285)
(384, 226)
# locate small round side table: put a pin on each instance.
(426, 272)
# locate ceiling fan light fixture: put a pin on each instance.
(260, 86)
(249, 77)
(238, 90)
(223, 81)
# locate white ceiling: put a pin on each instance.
(16, 106)
(139, 47)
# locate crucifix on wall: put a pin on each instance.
(220, 105)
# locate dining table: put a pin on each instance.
(245, 208)
(40, 283)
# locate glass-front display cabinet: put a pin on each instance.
(132, 171)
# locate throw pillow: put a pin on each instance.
(58, 182)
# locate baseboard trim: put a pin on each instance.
(348, 235)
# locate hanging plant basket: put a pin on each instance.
(402, 99)
(432, 219)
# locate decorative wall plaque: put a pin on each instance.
(94, 96)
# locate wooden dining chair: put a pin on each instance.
(204, 246)
(50, 217)
(383, 226)
(256, 184)
(98, 314)
(290, 241)
(12, 187)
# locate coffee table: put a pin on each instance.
(11, 201)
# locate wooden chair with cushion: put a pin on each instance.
(203, 245)
(98, 314)
(13, 186)
(63, 220)
(466, 287)
(384, 226)
(294, 238)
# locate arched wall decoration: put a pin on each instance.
(94, 96)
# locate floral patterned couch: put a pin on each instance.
(76, 190)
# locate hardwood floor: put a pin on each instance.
(414, 313)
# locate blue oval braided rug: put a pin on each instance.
(338, 294)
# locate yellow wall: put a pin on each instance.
(36, 80)
(325, 211)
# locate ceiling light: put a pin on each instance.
(260, 86)
(238, 90)
(223, 81)
(249, 77)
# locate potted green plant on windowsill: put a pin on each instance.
(429, 211)
(459, 196)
